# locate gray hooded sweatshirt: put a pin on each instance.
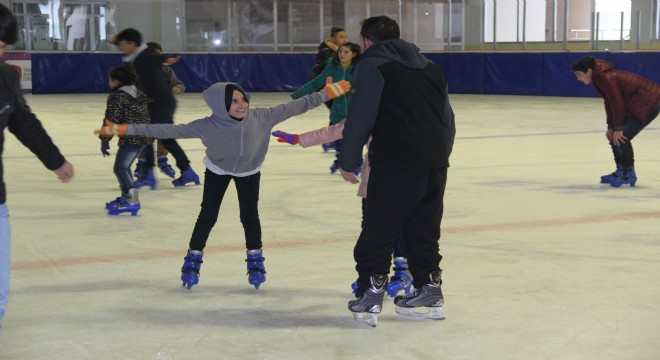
(235, 147)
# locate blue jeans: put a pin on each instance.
(4, 259)
(126, 154)
(624, 156)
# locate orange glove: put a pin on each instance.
(110, 129)
(337, 89)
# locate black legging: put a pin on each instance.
(215, 187)
(164, 114)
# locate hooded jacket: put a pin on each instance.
(236, 147)
(624, 93)
(334, 69)
(400, 99)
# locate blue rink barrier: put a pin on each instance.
(496, 73)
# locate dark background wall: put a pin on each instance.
(519, 73)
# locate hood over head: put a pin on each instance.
(216, 98)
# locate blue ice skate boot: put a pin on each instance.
(126, 203)
(607, 179)
(187, 176)
(164, 167)
(401, 280)
(190, 269)
(255, 267)
(139, 168)
(628, 177)
(334, 167)
(354, 286)
(146, 179)
(328, 146)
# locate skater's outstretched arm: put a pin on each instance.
(314, 137)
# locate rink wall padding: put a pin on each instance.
(496, 73)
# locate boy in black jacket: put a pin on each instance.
(152, 80)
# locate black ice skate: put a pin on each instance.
(425, 302)
(369, 302)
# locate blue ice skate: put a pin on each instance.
(164, 167)
(628, 177)
(255, 268)
(139, 168)
(358, 169)
(190, 269)
(328, 146)
(187, 176)
(607, 179)
(401, 280)
(334, 167)
(146, 179)
(126, 203)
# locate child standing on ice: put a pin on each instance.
(236, 139)
(126, 105)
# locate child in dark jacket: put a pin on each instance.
(126, 105)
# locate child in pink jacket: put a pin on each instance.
(402, 279)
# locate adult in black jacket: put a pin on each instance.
(400, 99)
(152, 80)
(17, 117)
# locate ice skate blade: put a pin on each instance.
(115, 213)
(432, 313)
(366, 318)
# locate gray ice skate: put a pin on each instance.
(425, 302)
(368, 305)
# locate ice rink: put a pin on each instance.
(540, 260)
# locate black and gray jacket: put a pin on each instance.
(399, 98)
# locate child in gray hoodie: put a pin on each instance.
(236, 139)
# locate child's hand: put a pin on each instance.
(349, 176)
(110, 129)
(105, 146)
(337, 89)
(286, 137)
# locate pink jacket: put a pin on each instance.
(332, 133)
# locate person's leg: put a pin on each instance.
(160, 149)
(122, 168)
(247, 189)
(5, 249)
(422, 229)
(393, 194)
(215, 187)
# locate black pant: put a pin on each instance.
(407, 200)
(164, 114)
(624, 156)
(215, 187)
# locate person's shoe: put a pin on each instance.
(126, 203)
(628, 177)
(164, 167)
(192, 263)
(369, 301)
(146, 178)
(428, 298)
(607, 179)
(401, 280)
(255, 267)
(187, 176)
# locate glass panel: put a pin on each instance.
(609, 19)
(207, 25)
(255, 29)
